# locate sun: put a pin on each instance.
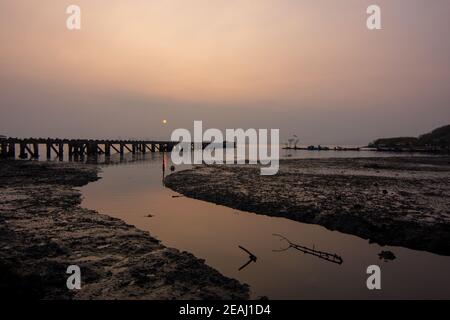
(164, 121)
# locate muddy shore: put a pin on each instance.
(391, 201)
(43, 230)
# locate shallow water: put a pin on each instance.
(133, 191)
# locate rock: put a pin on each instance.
(387, 256)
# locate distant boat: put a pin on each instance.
(322, 148)
(347, 149)
(318, 148)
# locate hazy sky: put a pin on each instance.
(310, 68)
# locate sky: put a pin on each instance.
(309, 68)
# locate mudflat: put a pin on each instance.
(399, 201)
(43, 230)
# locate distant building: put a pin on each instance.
(2, 137)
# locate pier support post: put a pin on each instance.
(76, 150)
(35, 150)
(89, 150)
(23, 153)
(61, 151)
(95, 148)
(49, 151)
(107, 149)
(70, 145)
(4, 150)
(12, 150)
(92, 149)
(82, 150)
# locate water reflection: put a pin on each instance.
(212, 232)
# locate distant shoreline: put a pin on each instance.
(399, 201)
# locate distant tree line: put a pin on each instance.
(439, 137)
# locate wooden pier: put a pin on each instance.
(79, 148)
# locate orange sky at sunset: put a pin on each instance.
(306, 67)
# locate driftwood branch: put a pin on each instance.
(331, 257)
